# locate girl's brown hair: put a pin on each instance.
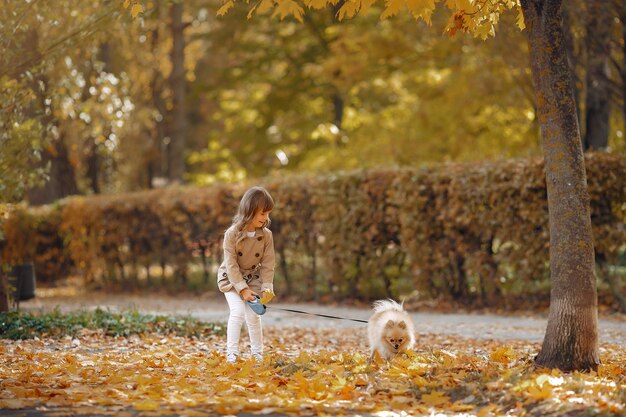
(255, 199)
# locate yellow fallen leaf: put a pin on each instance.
(361, 381)
(347, 392)
(245, 370)
(420, 381)
(377, 359)
(503, 355)
(487, 411)
(267, 296)
(435, 398)
(540, 392)
(13, 404)
(457, 406)
(542, 379)
(146, 405)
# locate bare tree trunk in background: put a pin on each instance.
(4, 291)
(62, 177)
(92, 158)
(598, 98)
(337, 98)
(176, 148)
(62, 180)
(622, 17)
(284, 269)
(93, 168)
(571, 340)
(155, 156)
(570, 47)
(338, 105)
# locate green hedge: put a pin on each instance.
(18, 325)
(470, 232)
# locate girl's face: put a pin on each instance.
(259, 219)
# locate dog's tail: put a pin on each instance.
(387, 305)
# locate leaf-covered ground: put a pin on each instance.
(305, 372)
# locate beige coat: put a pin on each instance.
(248, 261)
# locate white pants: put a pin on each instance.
(239, 309)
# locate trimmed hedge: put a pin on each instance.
(470, 232)
(18, 325)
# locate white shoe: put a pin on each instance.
(231, 357)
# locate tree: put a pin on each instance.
(571, 340)
(622, 14)
(33, 151)
(176, 146)
(598, 98)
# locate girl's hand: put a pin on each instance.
(248, 295)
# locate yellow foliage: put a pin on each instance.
(225, 7)
(136, 9)
(349, 9)
(392, 7)
(316, 4)
(477, 17)
(286, 8)
(421, 9)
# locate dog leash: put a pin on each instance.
(260, 309)
(315, 314)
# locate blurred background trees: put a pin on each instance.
(108, 104)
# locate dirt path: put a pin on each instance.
(214, 308)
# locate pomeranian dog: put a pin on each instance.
(390, 329)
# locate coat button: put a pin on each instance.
(260, 238)
(224, 275)
(239, 253)
(257, 254)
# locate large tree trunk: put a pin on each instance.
(598, 99)
(176, 154)
(571, 340)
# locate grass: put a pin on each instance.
(19, 325)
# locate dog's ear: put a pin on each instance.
(390, 324)
(402, 325)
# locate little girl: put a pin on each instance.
(247, 269)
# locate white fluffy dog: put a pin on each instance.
(390, 329)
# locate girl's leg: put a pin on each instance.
(255, 330)
(235, 320)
